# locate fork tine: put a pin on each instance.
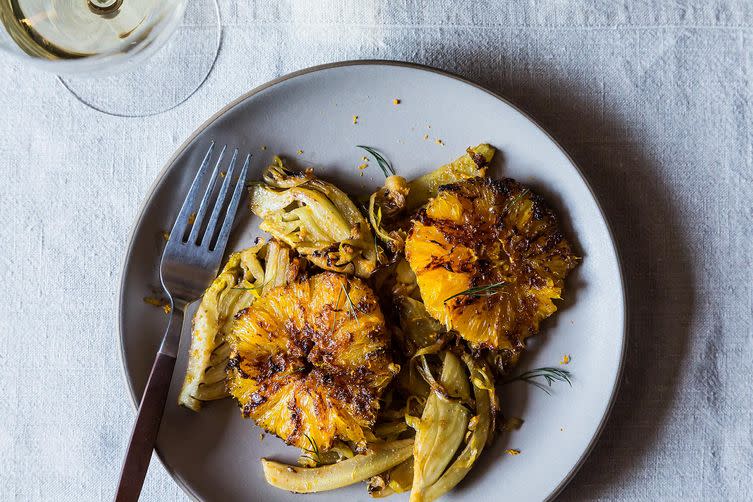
(204, 205)
(240, 185)
(181, 222)
(220, 202)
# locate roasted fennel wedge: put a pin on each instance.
(315, 218)
(390, 206)
(480, 433)
(442, 426)
(473, 163)
(246, 275)
(379, 458)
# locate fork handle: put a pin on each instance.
(144, 435)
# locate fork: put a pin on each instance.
(189, 263)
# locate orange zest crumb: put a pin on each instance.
(363, 166)
(153, 301)
(158, 302)
(565, 359)
(512, 451)
(396, 101)
(513, 424)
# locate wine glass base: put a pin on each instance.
(165, 80)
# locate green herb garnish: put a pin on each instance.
(479, 291)
(336, 310)
(383, 163)
(313, 452)
(350, 302)
(513, 202)
(550, 375)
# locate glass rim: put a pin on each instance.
(151, 37)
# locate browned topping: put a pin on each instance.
(495, 233)
(314, 356)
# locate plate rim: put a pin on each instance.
(370, 62)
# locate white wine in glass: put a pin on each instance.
(101, 38)
(74, 29)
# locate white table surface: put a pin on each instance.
(654, 100)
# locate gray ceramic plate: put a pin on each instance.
(214, 455)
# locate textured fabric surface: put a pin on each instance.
(651, 98)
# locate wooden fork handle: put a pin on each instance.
(144, 435)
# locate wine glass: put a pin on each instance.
(122, 57)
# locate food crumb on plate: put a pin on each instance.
(396, 101)
(439, 142)
(426, 136)
(565, 359)
(513, 424)
(263, 147)
(299, 152)
(363, 166)
(223, 174)
(191, 218)
(165, 235)
(158, 302)
(512, 451)
(355, 119)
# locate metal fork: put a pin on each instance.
(189, 264)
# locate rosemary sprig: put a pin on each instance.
(350, 302)
(549, 374)
(513, 202)
(313, 452)
(387, 168)
(336, 310)
(479, 291)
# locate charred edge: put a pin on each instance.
(477, 158)
(240, 313)
(234, 363)
(296, 415)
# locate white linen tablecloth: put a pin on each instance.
(654, 101)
